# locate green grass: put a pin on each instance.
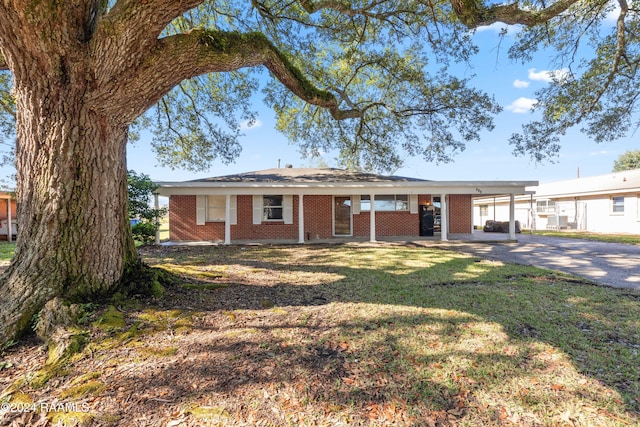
(632, 239)
(414, 333)
(371, 335)
(6, 250)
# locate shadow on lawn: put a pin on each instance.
(596, 327)
(375, 336)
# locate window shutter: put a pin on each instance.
(257, 209)
(413, 203)
(287, 209)
(234, 209)
(201, 210)
(355, 205)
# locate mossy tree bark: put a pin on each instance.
(75, 239)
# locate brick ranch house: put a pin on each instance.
(303, 204)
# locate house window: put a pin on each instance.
(484, 210)
(389, 203)
(546, 206)
(216, 208)
(617, 205)
(272, 208)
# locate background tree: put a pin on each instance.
(628, 160)
(141, 190)
(370, 78)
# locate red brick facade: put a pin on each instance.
(460, 213)
(318, 220)
(4, 218)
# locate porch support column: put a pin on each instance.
(156, 205)
(444, 224)
(372, 218)
(300, 218)
(512, 216)
(227, 220)
(9, 225)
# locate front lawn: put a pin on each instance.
(359, 334)
(631, 239)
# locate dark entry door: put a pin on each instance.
(426, 221)
(342, 216)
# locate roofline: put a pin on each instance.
(167, 188)
(578, 194)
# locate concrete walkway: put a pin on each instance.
(611, 264)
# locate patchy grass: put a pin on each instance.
(367, 335)
(632, 239)
(6, 250)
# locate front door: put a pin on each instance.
(342, 216)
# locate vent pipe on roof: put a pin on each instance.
(278, 163)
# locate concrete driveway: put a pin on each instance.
(612, 264)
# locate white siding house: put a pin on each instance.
(606, 204)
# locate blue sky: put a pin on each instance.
(512, 84)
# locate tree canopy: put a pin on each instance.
(628, 160)
(370, 78)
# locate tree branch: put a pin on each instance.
(345, 8)
(474, 13)
(619, 55)
(179, 57)
(132, 27)
(146, 19)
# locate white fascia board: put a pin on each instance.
(344, 188)
(579, 194)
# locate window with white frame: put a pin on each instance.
(385, 202)
(617, 204)
(546, 206)
(216, 208)
(272, 208)
(484, 210)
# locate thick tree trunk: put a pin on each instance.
(74, 235)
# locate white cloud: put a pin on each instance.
(548, 76)
(522, 105)
(246, 125)
(601, 153)
(520, 84)
(499, 27)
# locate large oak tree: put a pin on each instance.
(369, 77)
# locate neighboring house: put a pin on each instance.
(8, 215)
(302, 204)
(606, 203)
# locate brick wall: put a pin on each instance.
(460, 213)
(318, 217)
(387, 224)
(318, 220)
(3, 209)
(182, 221)
(268, 230)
